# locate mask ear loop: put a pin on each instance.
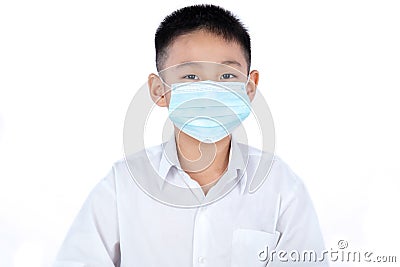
(162, 80)
(248, 79)
(247, 82)
(169, 88)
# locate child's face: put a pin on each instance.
(201, 46)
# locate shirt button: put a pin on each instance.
(202, 260)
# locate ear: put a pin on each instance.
(156, 89)
(252, 84)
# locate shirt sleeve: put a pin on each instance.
(301, 240)
(93, 239)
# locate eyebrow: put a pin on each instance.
(226, 62)
(188, 63)
(231, 62)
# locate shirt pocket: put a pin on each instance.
(249, 247)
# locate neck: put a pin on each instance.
(203, 162)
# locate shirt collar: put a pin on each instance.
(237, 161)
(169, 157)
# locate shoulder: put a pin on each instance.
(282, 176)
(271, 172)
(141, 165)
(145, 157)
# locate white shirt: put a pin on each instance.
(121, 225)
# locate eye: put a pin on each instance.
(227, 76)
(191, 77)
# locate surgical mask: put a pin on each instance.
(208, 111)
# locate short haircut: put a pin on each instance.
(210, 18)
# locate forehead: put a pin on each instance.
(204, 46)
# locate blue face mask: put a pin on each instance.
(208, 111)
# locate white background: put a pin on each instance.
(330, 71)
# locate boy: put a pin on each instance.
(218, 222)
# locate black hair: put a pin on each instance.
(211, 18)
